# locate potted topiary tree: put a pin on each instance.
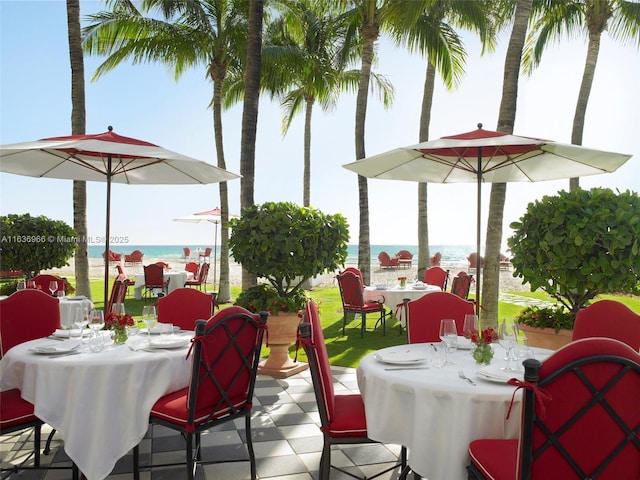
(574, 246)
(285, 245)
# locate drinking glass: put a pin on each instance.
(53, 286)
(469, 326)
(507, 339)
(21, 285)
(81, 320)
(448, 334)
(96, 321)
(118, 308)
(149, 318)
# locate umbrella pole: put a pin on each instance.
(478, 223)
(107, 232)
(215, 254)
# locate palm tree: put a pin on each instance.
(620, 18)
(200, 32)
(301, 66)
(432, 35)
(506, 120)
(78, 125)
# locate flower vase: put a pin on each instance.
(483, 354)
(119, 335)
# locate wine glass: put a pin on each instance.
(96, 321)
(53, 286)
(149, 318)
(81, 320)
(470, 326)
(448, 334)
(21, 285)
(507, 339)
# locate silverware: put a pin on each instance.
(464, 377)
(66, 354)
(406, 368)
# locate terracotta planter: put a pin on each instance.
(546, 337)
(282, 331)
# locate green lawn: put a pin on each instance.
(347, 350)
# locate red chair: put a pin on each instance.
(505, 263)
(580, 418)
(26, 315)
(133, 258)
(187, 254)
(611, 319)
(435, 260)
(206, 255)
(405, 258)
(201, 280)
(351, 291)
(118, 293)
(437, 276)
(43, 280)
(472, 258)
(154, 279)
(184, 306)
(424, 315)
(192, 267)
(113, 256)
(164, 265)
(226, 351)
(461, 284)
(342, 416)
(387, 262)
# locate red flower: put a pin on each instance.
(117, 320)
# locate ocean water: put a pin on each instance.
(455, 255)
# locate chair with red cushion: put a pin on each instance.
(43, 280)
(342, 416)
(154, 279)
(352, 293)
(461, 284)
(192, 267)
(225, 353)
(133, 258)
(206, 255)
(611, 319)
(425, 313)
(201, 280)
(437, 276)
(405, 258)
(580, 418)
(435, 260)
(387, 262)
(184, 306)
(473, 259)
(118, 293)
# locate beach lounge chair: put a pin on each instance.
(435, 260)
(113, 256)
(473, 262)
(387, 262)
(133, 258)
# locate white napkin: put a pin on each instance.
(401, 356)
(65, 333)
(60, 347)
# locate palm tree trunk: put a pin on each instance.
(307, 152)
(224, 294)
(506, 120)
(78, 126)
(250, 114)
(369, 35)
(583, 95)
(423, 216)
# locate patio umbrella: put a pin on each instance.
(107, 157)
(210, 216)
(487, 156)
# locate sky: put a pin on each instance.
(145, 102)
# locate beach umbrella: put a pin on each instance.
(107, 157)
(486, 156)
(209, 216)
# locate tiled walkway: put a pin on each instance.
(287, 442)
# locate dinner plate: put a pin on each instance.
(74, 299)
(401, 357)
(65, 333)
(158, 330)
(496, 374)
(169, 342)
(56, 348)
(419, 287)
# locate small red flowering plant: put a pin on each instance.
(483, 353)
(115, 321)
(403, 281)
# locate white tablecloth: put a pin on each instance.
(434, 413)
(176, 280)
(98, 402)
(394, 296)
(69, 306)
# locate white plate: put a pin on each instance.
(56, 348)
(381, 287)
(419, 287)
(496, 374)
(463, 343)
(64, 333)
(157, 329)
(170, 342)
(72, 299)
(401, 357)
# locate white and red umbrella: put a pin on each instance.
(486, 156)
(107, 157)
(209, 216)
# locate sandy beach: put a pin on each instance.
(378, 275)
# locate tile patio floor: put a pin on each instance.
(287, 442)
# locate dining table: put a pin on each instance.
(393, 296)
(99, 403)
(432, 411)
(176, 279)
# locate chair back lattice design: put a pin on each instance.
(611, 319)
(184, 306)
(588, 423)
(437, 276)
(118, 293)
(226, 353)
(204, 273)
(26, 315)
(461, 284)
(425, 313)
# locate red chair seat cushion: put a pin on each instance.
(349, 419)
(496, 459)
(14, 410)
